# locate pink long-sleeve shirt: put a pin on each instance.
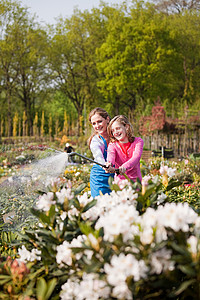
(131, 161)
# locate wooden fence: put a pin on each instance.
(182, 144)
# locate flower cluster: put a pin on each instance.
(123, 246)
(25, 255)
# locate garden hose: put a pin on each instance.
(91, 160)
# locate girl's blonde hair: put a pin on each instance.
(100, 111)
(124, 121)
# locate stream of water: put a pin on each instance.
(18, 193)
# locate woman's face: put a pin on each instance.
(99, 124)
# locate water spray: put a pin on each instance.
(69, 154)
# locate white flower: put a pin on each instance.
(197, 226)
(176, 216)
(84, 199)
(35, 255)
(171, 172)
(64, 194)
(26, 255)
(45, 201)
(145, 180)
(64, 253)
(161, 234)
(90, 288)
(72, 212)
(165, 170)
(160, 261)
(127, 194)
(149, 218)
(120, 268)
(146, 237)
(119, 220)
(192, 242)
(122, 183)
(63, 215)
(69, 290)
(78, 243)
(161, 198)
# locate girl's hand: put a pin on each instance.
(109, 168)
(122, 170)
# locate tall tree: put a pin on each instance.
(185, 30)
(33, 74)
(22, 59)
(132, 58)
(176, 6)
(11, 15)
(73, 58)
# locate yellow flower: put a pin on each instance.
(144, 188)
(165, 180)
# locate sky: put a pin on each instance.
(48, 10)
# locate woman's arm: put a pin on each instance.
(97, 147)
(137, 153)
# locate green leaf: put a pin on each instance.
(187, 270)
(52, 212)
(35, 274)
(172, 183)
(4, 280)
(89, 205)
(41, 289)
(50, 287)
(184, 286)
(85, 228)
(79, 189)
(4, 276)
(31, 235)
(179, 248)
(43, 217)
(76, 203)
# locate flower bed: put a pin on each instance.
(139, 242)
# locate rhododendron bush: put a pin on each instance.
(131, 244)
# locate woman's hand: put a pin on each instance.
(109, 168)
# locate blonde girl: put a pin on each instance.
(124, 149)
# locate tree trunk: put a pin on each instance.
(9, 117)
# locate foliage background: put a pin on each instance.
(121, 57)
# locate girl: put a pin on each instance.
(125, 150)
(98, 142)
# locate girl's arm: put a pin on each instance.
(111, 154)
(137, 153)
(96, 147)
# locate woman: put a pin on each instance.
(98, 144)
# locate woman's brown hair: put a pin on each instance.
(124, 121)
(100, 111)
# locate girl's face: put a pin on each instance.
(119, 132)
(99, 124)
